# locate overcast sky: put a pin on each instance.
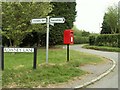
(90, 14)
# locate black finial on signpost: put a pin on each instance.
(35, 58)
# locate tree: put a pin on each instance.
(85, 34)
(119, 17)
(112, 19)
(16, 18)
(110, 23)
(56, 9)
(66, 10)
(105, 27)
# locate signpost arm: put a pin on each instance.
(47, 39)
(48, 21)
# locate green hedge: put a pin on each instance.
(81, 40)
(102, 48)
(91, 40)
(112, 40)
(119, 40)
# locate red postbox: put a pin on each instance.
(68, 36)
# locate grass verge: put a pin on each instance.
(18, 71)
(102, 48)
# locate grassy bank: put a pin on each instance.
(103, 48)
(18, 68)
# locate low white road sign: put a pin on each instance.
(57, 20)
(36, 21)
(18, 49)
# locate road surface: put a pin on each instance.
(109, 81)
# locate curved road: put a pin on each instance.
(111, 80)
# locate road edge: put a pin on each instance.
(99, 77)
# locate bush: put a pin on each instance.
(103, 48)
(105, 40)
(119, 40)
(85, 34)
(81, 40)
(91, 40)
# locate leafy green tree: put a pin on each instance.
(112, 19)
(66, 10)
(85, 34)
(38, 32)
(105, 27)
(16, 18)
(110, 23)
(119, 17)
(80, 36)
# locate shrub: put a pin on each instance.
(81, 40)
(119, 40)
(111, 40)
(91, 40)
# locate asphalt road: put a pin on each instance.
(109, 81)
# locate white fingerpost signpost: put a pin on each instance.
(48, 21)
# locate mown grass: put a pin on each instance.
(103, 48)
(19, 73)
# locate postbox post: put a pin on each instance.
(2, 58)
(67, 52)
(68, 39)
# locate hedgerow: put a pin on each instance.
(112, 40)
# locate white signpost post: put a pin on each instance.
(48, 21)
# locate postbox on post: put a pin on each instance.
(68, 39)
(68, 36)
